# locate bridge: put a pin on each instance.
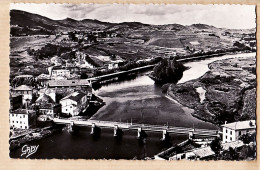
(140, 128)
(120, 73)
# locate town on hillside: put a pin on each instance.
(131, 90)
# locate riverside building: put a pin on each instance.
(231, 131)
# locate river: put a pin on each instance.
(137, 100)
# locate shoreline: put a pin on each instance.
(17, 143)
(192, 113)
(198, 107)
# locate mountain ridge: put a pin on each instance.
(26, 22)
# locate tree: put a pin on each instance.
(168, 71)
(215, 145)
(72, 36)
(247, 138)
(231, 154)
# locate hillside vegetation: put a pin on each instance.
(230, 95)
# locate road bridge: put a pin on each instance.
(140, 128)
(120, 73)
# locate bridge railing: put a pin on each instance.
(148, 127)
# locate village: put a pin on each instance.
(66, 91)
(54, 76)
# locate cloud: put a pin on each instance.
(229, 16)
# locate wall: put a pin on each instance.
(19, 121)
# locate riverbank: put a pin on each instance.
(19, 137)
(31, 135)
(229, 91)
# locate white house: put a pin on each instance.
(74, 103)
(22, 118)
(60, 73)
(112, 66)
(231, 131)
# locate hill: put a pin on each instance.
(32, 24)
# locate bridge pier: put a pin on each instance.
(117, 131)
(95, 130)
(73, 129)
(141, 133)
(165, 135)
(93, 126)
(191, 134)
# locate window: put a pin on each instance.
(230, 138)
(21, 122)
(239, 133)
(13, 121)
(226, 131)
(20, 126)
(12, 114)
(23, 116)
(16, 121)
(25, 127)
(231, 132)
(226, 137)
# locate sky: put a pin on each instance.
(222, 16)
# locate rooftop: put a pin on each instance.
(76, 96)
(23, 87)
(203, 152)
(43, 76)
(47, 91)
(22, 111)
(249, 124)
(77, 82)
(27, 76)
(47, 106)
(44, 99)
(234, 144)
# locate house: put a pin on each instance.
(22, 118)
(84, 85)
(231, 131)
(16, 101)
(74, 104)
(50, 92)
(51, 110)
(195, 154)
(60, 73)
(43, 78)
(25, 91)
(47, 106)
(114, 64)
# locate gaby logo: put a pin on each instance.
(29, 150)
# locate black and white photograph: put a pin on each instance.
(132, 81)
